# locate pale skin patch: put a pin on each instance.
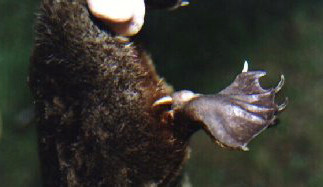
(124, 17)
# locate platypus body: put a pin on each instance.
(94, 93)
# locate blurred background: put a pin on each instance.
(201, 47)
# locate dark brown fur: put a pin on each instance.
(93, 97)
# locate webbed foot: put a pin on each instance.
(234, 116)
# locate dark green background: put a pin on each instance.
(200, 47)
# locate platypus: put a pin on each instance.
(106, 118)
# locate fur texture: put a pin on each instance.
(93, 95)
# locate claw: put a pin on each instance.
(244, 148)
(167, 100)
(280, 84)
(185, 3)
(245, 66)
(282, 106)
